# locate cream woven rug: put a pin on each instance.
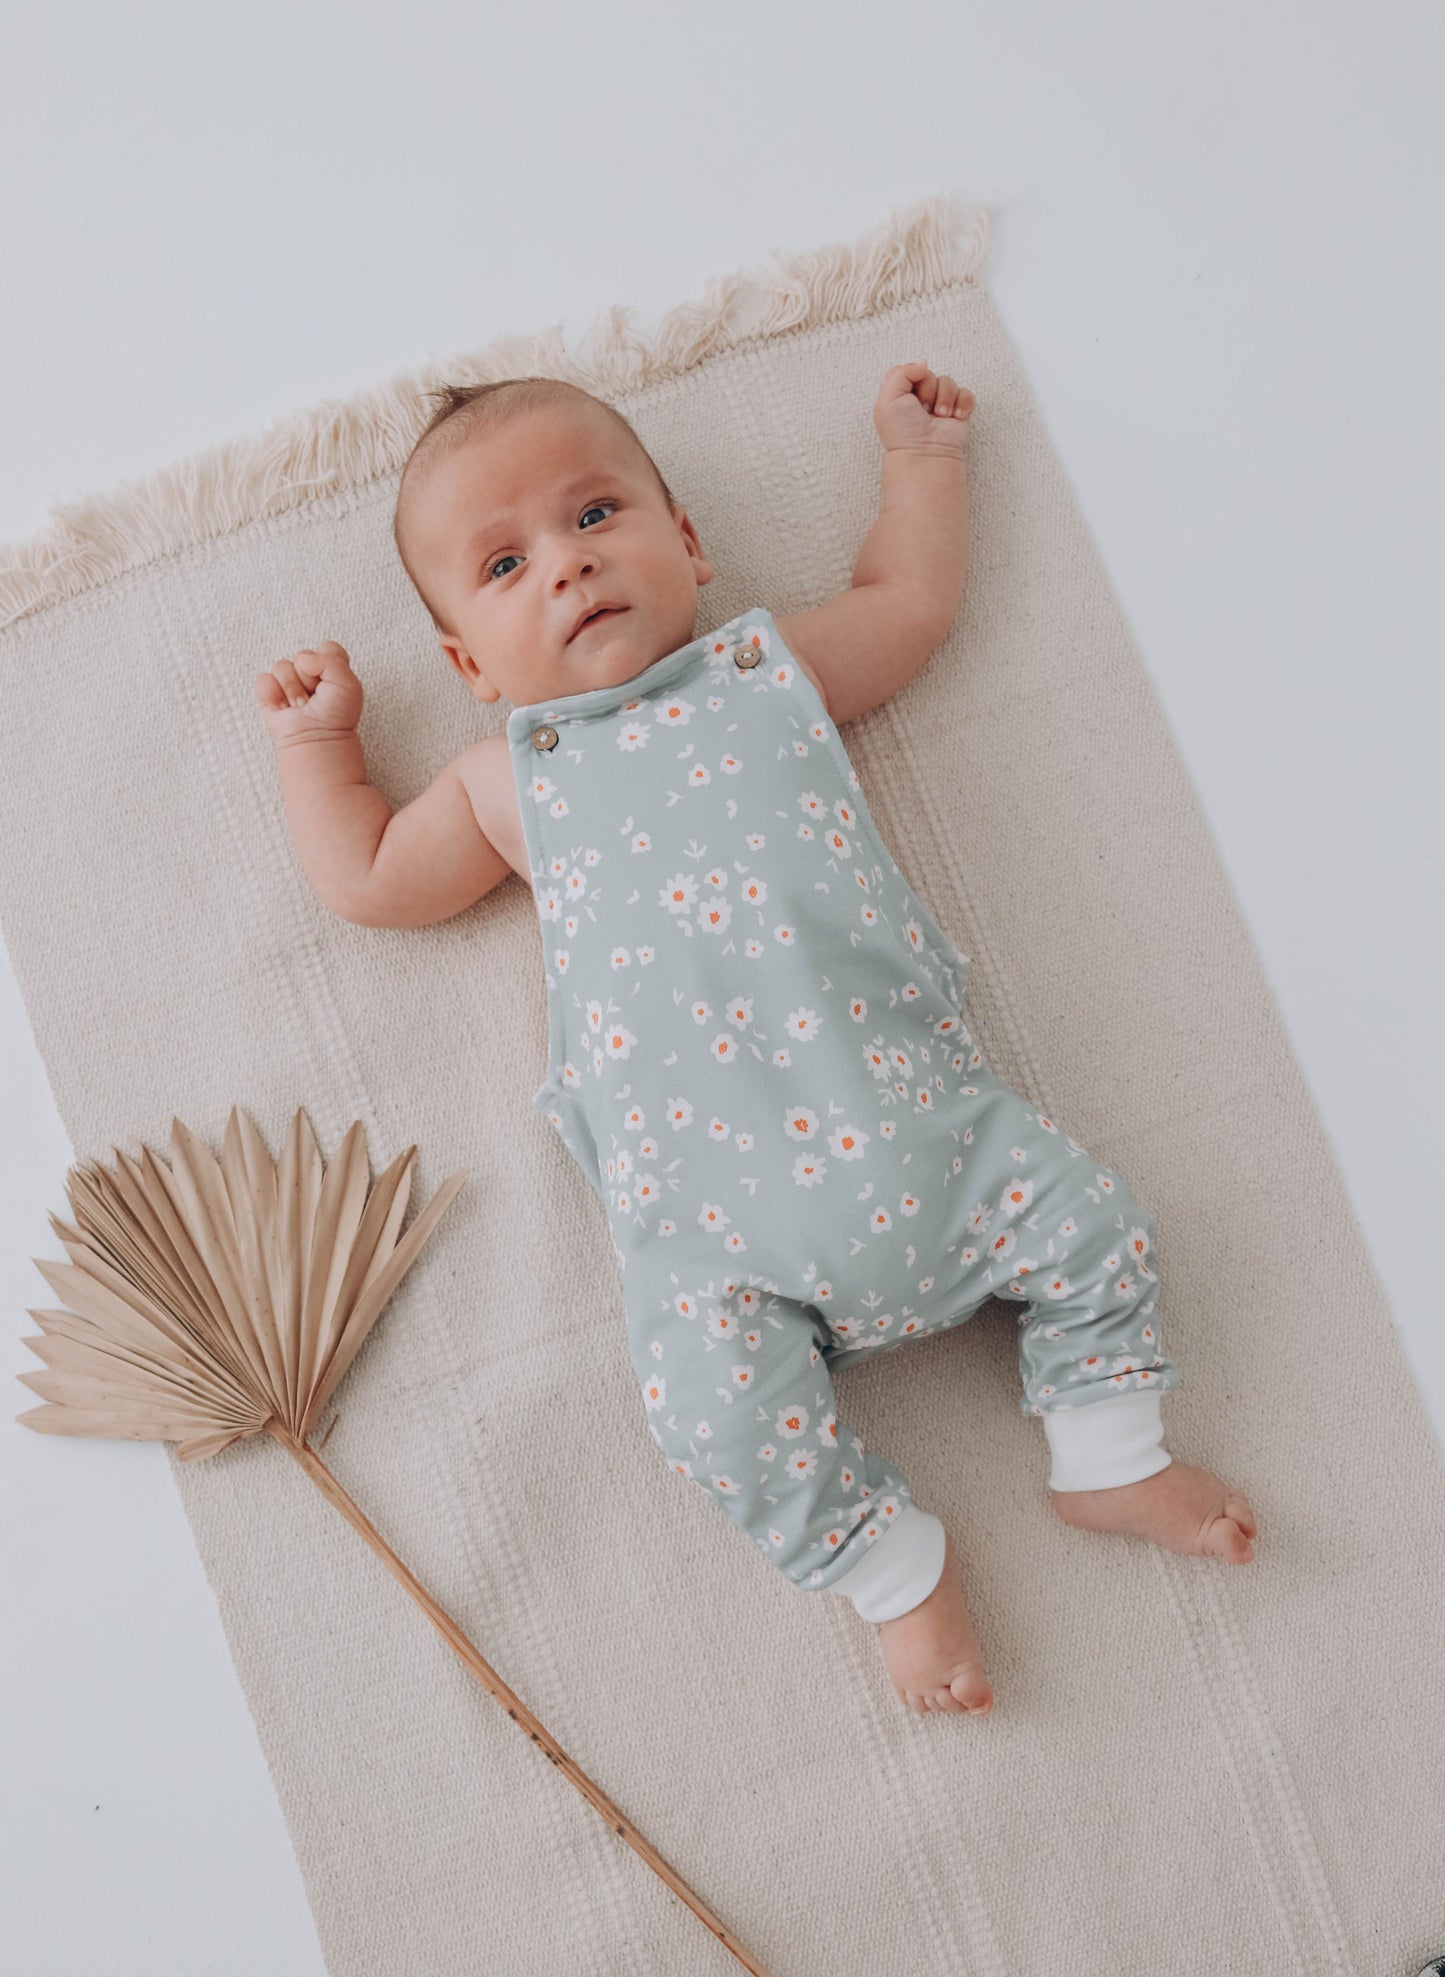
(1190, 1768)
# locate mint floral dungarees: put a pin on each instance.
(759, 1058)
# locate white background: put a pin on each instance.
(1216, 246)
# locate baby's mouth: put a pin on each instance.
(596, 618)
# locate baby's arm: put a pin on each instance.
(370, 865)
(866, 643)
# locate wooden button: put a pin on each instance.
(748, 656)
(544, 737)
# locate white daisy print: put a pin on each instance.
(799, 1146)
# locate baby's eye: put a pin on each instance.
(592, 508)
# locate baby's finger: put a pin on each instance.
(947, 398)
(269, 692)
(899, 380)
(292, 684)
(332, 660)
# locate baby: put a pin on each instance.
(758, 1053)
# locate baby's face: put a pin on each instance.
(523, 529)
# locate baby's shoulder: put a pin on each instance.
(792, 631)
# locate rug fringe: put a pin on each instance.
(340, 444)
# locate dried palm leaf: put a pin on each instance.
(217, 1299)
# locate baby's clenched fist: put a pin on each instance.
(921, 409)
(314, 693)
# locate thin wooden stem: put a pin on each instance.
(317, 1470)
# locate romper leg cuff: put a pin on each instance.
(901, 1568)
(1105, 1442)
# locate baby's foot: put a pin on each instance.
(932, 1653)
(1182, 1508)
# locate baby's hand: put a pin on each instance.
(917, 407)
(313, 693)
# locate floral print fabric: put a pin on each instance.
(759, 1058)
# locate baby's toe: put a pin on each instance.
(1226, 1540)
(971, 1689)
(1237, 1506)
(940, 1702)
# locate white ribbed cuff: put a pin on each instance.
(1106, 1442)
(900, 1569)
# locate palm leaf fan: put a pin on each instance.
(211, 1300)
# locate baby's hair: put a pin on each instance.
(464, 410)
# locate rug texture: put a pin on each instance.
(1190, 1767)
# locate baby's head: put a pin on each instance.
(526, 503)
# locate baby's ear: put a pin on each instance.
(473, 679)
(460, 660)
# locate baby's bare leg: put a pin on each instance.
(1182, 1508)
(932, 1653)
